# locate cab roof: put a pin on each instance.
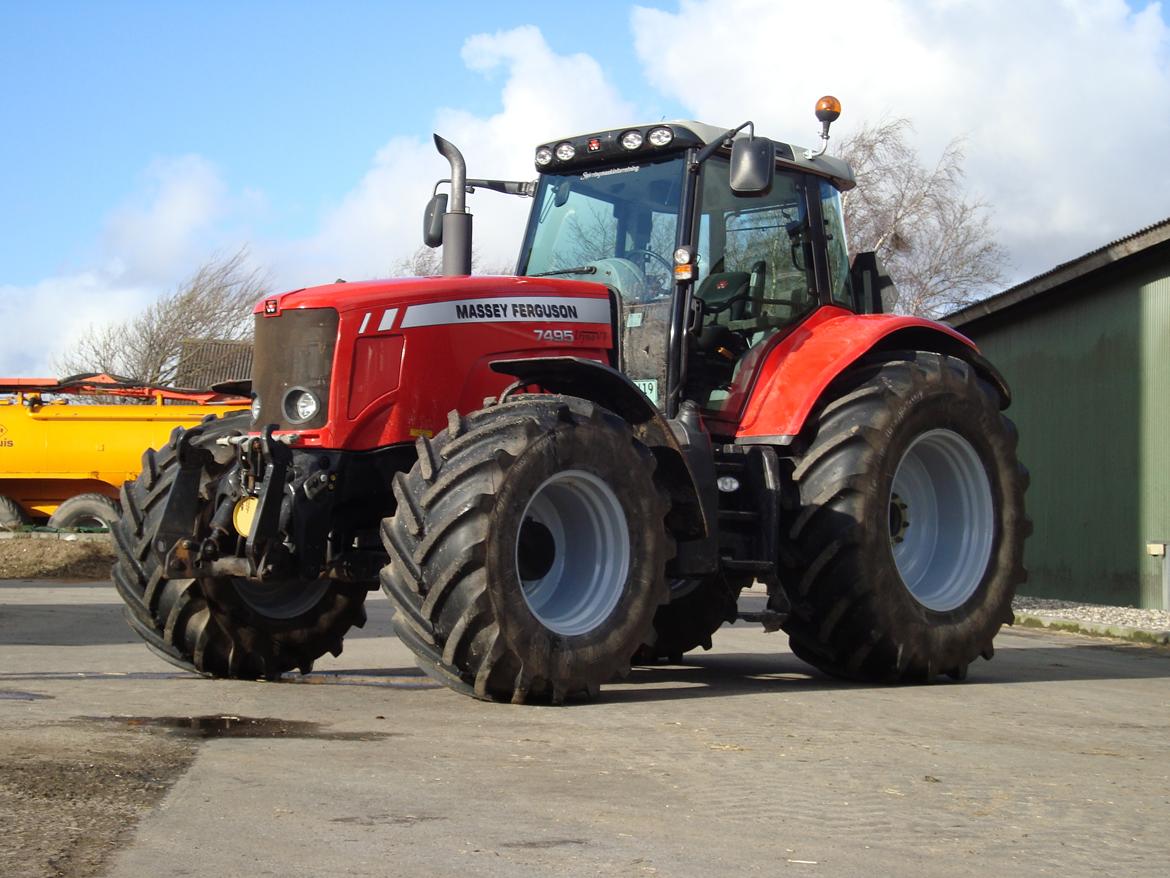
(687, 133)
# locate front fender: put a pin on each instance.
(797, 371)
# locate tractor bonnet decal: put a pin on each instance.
(528, 309)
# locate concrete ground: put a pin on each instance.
(1052, 759)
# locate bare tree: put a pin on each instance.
(936, 242)
(427, 262)
(214, 303)
(423, 262)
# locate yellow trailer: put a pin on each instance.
(67, 446)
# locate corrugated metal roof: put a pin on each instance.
(1112, 252)
(204, 362)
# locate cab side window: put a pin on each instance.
(837, 252)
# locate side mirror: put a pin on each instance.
(562, 192)
(873, 289)
(753, 164)
(433, 220)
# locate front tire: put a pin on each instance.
(221, 626)
(527, 550)
(907, 548)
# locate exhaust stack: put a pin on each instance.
(456, 221)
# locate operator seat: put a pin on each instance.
(720, 288)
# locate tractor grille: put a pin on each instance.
(294, 349)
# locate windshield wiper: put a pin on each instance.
(580, 269)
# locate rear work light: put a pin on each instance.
(544, 156)
(566, 151)
(632, 139)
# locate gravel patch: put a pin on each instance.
(33, 558)
(1094, 614)
(71, 797)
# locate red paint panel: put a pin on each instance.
(796, 372)
(377, 365)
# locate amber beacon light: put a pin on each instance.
(828, 111)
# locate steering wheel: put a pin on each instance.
(662, 259)
(646, 252)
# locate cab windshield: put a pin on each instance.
(618, 226)
(615, 226)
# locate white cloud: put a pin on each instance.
(39, 322)
(1065, 107)
(168, 224)
(150, 242)
(543, 95)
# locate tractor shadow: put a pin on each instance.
(715, 675)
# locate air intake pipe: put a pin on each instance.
(456, 221)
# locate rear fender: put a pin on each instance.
(796, 372)
(606, 386)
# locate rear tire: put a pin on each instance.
(220, 627)
(86, 510)
(12, 514)
(908, 546)
(528, 549)
(688, 622)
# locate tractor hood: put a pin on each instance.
(360, 366)
(403, 292)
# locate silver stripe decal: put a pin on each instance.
(387, 319)
(365, 322)
(509, 309)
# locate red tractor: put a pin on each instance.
(687, 386)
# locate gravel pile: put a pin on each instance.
(1095, 614)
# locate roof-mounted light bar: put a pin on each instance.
(608, 146)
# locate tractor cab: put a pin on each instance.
(707, 275)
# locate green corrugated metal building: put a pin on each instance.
(1086, 350)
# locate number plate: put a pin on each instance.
(648, 386)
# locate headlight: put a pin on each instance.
(300, 405)
(566, 151)
(544, 156)
(660, 136)
(256, 408)
(632, 139)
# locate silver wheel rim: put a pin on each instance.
(573, 552)
(281, 600)
(941, 520)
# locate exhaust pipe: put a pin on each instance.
(456, 221)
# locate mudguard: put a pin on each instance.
(796, 372)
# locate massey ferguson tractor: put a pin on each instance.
(688, 386)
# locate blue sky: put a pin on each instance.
(288, 99)
(141, 138)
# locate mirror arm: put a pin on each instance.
(508, 187)
(711, 148)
